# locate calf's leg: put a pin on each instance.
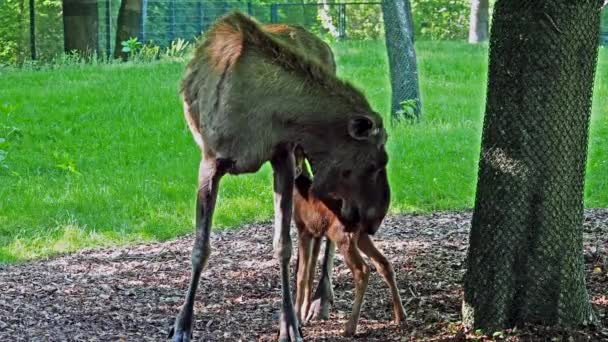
(386, 270)
(360, 270)
(210, 172)
(283, 165)
(324, 294)
(310, 275)
(303, 262)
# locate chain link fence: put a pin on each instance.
(163, 21)
(33, 29)
(39, 27)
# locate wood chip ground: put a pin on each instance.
(133, 293)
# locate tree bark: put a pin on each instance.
(128, 24)
(399, 32)
(479, 21)
(525, 260)
(80, 26)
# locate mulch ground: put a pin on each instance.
(132, 293)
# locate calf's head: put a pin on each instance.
(351, 177)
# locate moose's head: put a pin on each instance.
(351, 177)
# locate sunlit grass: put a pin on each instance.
(100, 155)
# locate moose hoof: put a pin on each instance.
(349, 331)
(400, 321)
(290, 329)
(180, 334)
(319, 310)
(292, 337)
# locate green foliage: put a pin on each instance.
(178, 48)
(12, 31)
(363, 23)
(441, 19)
(15, 30)
(131, 46)
(148, 52)
(408, 110)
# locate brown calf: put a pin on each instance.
(314, 220)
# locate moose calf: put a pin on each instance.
(313, 220)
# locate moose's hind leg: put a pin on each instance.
(210, 173)
(283, 165)
(324, 294)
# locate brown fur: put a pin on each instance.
(278, 28)
(239, 29)
(225, 46)
(314, 220)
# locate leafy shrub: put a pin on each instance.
(363, 22)
(131, 46)
(178, 48)
(441, 19)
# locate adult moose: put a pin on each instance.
(253, 95)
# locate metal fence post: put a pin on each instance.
(108, 28)
(172, 21)
(144, 18)
(342, 21)
(274, 13)
(201, 17)
(33, 29)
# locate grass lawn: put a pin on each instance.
(100, 155)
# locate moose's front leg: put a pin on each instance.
(283, 164)
(210, 173)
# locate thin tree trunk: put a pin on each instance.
(128, 24)
(399, 31)
(21, 36)
(479, 21)
(525, 260)
(80, 26)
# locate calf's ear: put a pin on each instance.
(361, 127)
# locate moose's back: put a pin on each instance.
(234, 105)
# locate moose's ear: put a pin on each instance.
(361, 127)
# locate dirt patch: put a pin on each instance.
(133, 293)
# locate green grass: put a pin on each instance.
(101, 155)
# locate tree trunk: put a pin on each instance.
(478, 22)
(525, 260)
(80, 26)
(128, 24)
(399, 32)
(21, 36)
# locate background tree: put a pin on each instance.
(80, 25)
(525, 260)
(399, 32)
(479, 21)
(128, 24)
